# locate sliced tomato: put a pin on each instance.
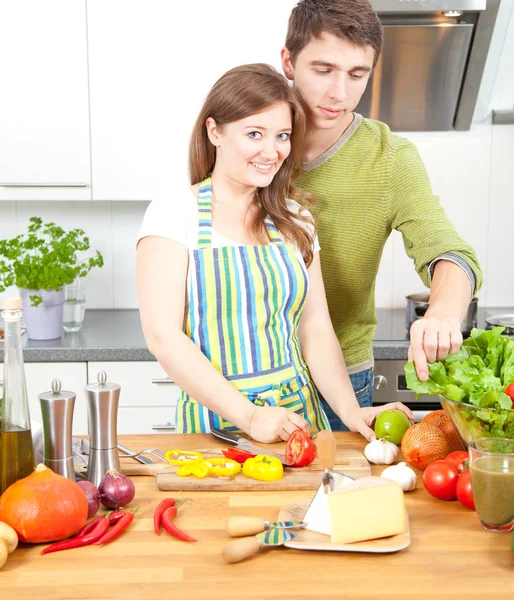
(300, 449)
(238, 455)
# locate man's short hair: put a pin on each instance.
(352, 20)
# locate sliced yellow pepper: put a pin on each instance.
(222, 467)
(180, 457)
(198, 469)
(263, 468)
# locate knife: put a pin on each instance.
(140, 458)
(242, 548)
(241, 526)
(244, 444)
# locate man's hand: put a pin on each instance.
(431, 339)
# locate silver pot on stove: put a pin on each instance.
(417, 305)
(504, 320)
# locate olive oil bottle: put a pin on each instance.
(16, 448)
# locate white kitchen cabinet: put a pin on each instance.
(73, 378)
(151, 65)
(130, 52)
(148, 397)
(44, 103)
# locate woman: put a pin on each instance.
(236, 256)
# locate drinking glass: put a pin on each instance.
(74, 305)
(492, 481)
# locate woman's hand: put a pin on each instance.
(272, 424)
(361, 419)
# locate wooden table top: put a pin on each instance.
(450, 555)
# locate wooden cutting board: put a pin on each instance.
(352, 462)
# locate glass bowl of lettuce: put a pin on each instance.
(471, 384)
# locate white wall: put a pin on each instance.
(471, 171)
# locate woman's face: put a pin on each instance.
(251, 151)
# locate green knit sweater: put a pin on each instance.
(369, 183)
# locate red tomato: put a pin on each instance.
(509, 390)
(460, 459)
(464, 492)
(238, 455)
(440, 479)
(300, 449)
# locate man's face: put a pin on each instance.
(331, 75)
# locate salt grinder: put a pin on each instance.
(102, 408)
(57, 414)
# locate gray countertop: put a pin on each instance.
(116, 335)
(106, 335)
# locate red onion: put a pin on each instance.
(92, 495)
(116, 490)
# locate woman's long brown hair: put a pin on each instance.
(240, 93)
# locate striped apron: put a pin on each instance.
(245, 304)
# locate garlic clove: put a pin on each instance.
(402, 474)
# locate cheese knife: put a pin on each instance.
(245, 444)
(238, 550)
(241, 526)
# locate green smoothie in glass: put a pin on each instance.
(492, 482)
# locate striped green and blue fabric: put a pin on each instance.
(244, 309)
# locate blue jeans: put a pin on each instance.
(363, 385)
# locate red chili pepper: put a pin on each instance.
(116, 516)
(167, 522)
(116, 529)
(161, 507)
(89, 526)
(90, 538)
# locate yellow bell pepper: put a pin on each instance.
(198, 469)
(222, 467)
(263, 468)
(180, 457)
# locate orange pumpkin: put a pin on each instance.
(44, 507)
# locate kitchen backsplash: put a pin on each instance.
(470, 171)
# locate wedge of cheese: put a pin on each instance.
(367, 509)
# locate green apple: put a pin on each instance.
(391, 425)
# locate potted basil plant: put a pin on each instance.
(40, 263)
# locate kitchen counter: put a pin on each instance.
(116, 335)
(450, 555)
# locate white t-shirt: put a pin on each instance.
(177, 219)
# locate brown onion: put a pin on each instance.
(116, 490)
(92, 495)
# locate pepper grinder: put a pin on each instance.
(102, 408)
(57, 413)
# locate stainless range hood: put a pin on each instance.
(432, 61)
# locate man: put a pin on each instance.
(367, 182)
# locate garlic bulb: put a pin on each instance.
(402, 474)
(381, 452)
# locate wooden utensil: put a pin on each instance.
(326, 449)
(238, 550)
(242, 526)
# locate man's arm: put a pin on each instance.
(429, 237)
